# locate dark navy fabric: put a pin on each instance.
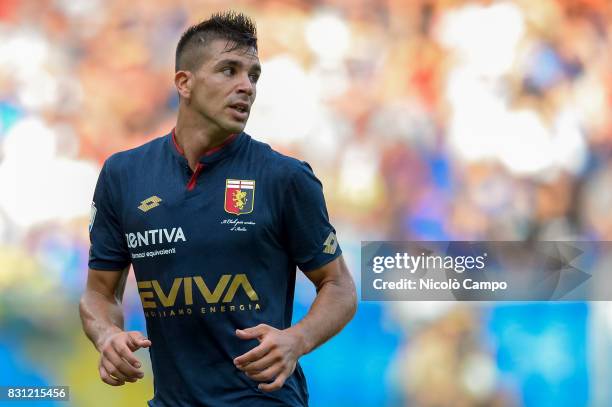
(203, 272)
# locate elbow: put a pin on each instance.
(83, 307)
(352, 298)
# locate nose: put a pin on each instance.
(245, 85)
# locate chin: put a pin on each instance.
(235, 127)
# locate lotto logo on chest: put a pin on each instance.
(239, 196)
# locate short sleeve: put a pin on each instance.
(311, 239)
(108, 249)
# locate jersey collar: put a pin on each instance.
(215, 154)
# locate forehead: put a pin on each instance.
(220, 49)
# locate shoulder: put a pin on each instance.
(128, 159)
(279, 164)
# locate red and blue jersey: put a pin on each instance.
(213, 250)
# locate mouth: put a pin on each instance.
(240, 110)
(240, 106)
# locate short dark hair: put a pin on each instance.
(238, 29)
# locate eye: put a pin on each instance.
(228, 71)
(254, 77)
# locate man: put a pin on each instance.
(214, 224)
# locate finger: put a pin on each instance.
(253, 332)
(261, 364)
(254, 354)
(131, 380)
(115, 354)
(137, 341)
(112, 371)
(108, 379)
(118, 368)
(125, 353)
(275, 385)
(268, 374)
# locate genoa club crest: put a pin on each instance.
(239, 196)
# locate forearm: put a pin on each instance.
(333, 307)
(100, 315)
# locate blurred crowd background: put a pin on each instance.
(425, 120)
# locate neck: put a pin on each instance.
(196, 137)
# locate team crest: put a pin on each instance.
(239, 196)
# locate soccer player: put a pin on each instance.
(214, 224)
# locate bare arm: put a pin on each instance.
(276, 356)
(102, 318)
(332, 309)
(100, 305)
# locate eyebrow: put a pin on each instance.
(234, 62)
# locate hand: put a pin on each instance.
(274, 359)
(117, 361)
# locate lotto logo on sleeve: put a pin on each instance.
(92, 215)
(239, 196)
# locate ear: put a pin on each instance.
(183, 80)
